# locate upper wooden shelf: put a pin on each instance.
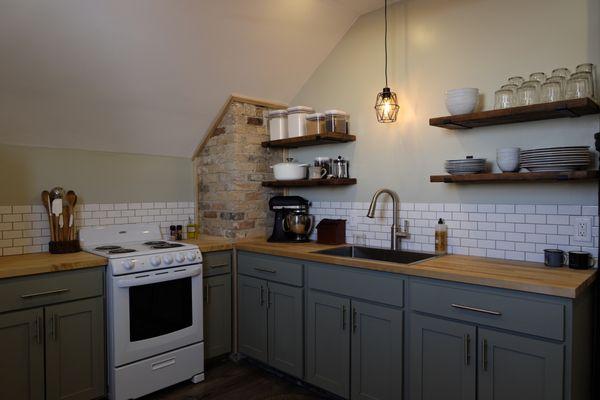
(536, 112)
(310, 140)
(311, 182)
(516, 177)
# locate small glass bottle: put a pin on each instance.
(191, 229)
(441, 238)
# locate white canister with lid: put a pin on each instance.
(297, 120)
(278, 124)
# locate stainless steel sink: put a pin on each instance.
(370, 253)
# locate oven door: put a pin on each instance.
(154, 312)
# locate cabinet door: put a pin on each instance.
(253, 317)
(328, 342)
(217, 315)
(377, 333)
(75, 354)
(513, 367)
(442, 364)
(286, 350)
(22, 355)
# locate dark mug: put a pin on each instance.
(580, 260)
(554, 257)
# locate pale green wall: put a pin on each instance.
(97, 177)
(437, 45)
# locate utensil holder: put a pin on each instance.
(63, 247)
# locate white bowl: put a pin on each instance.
(456, 107)
(508, 165)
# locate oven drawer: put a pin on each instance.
(272, 268)
(55, 287)
(516, 312)
(216, 263)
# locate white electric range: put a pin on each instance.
(154, 308)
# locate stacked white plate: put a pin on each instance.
(556, 159)
(466, 166)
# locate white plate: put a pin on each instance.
(552, 169)
(560, 148)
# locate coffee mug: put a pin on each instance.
(554, 257)
(581, 260)
(316, 172)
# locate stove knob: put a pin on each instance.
(128, 264)
(191, 255)
(179, 257)
(155, 261)
(168, 259)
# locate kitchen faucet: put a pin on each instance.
(396, 230)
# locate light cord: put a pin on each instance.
(385, 43)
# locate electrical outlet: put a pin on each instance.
(582, 229)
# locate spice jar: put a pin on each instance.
(336, 121)
(315, 124)
(278, 124)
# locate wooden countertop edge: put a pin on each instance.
(433, 269)
(42, 263)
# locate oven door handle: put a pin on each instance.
(147, 280)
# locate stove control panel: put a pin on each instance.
(132, 265)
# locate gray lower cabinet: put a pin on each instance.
(354, 348)
(376, 352)
(217, 315)
(442, 359)
(22, 355)
(514, 367)
(75, 350)
(271, 323)
(52, 336)
(328, 342)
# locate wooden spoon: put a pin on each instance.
(71, 199)
(46, 202)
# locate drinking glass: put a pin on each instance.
(564, 72)
(528, 93)
(538, 76)
(591, 69)
(505, 98)
(516, 80)
(562, 81)
(510, 86)
(578, 87)
(551, 91)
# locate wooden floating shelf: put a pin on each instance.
(517, 177)
(311, 182)
(310, 140)
(536, 112)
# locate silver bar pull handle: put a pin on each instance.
(52, 327)
(479, 310)
(343, 317)
(37, 329)
(484, 359)
(49, 292)
(354, 320)
(268, 270)
(218, 266)
(467, 349)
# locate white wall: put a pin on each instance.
(437, 45)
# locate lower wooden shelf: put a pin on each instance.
(516, 177)
(311, 182)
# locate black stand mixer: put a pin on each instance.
(292, 223)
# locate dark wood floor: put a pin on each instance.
(226, 380)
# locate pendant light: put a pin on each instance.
(386, 105)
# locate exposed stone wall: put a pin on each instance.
(231, 200)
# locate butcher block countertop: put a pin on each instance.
(211, 243)
(41, 263)
(515, 275)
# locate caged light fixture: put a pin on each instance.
(386, 105)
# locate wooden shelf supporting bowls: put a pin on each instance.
(311, 182)
(537, 112)
(517, 177)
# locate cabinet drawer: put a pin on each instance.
(277, 269)
(56, 287)
(216, 263)
(520, 313)
(381, 287)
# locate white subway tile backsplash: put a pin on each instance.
(510, 231)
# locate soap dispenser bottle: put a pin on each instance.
(441, 238)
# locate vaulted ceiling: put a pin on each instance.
(148, 76)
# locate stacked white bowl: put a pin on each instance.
(462, 101)
(508, 159)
